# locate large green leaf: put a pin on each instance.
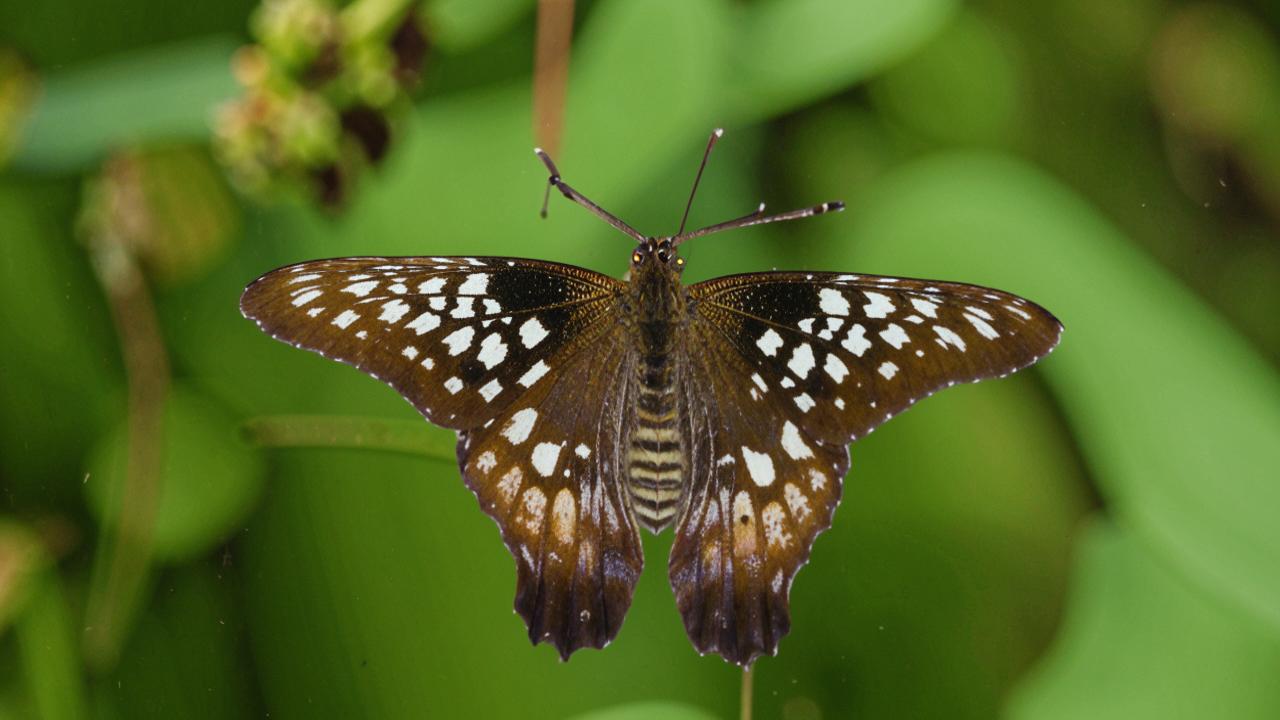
(208, 483)
(788, 52)
(1177, 416)
(1141, 642)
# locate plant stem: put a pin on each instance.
(551, 72)
(400, 436)
(745, 698)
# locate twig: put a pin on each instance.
(124, 553)
(551, 72)
(400, 436)
(745, 699)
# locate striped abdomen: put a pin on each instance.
(655, 459)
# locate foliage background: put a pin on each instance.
(1097, 537)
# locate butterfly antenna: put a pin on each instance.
(759, 218)
(574, 195)
(711, 142)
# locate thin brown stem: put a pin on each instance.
(551, 71)
(124, 554)
(745, 698)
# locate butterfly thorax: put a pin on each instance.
(655, 459)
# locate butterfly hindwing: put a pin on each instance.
(460, 338)
(547, 472)
(788, 369)
(760, 489)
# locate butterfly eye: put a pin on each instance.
(636, 257)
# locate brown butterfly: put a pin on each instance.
(589, 407)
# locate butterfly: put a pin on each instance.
(588, 408)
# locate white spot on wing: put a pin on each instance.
(759, 466)
(533, 374)
(544, 458)
(306, 297)
(801, 360)
(949, 337)
(769, 342)
(836, 368)
(925, 307)
(453, 385)
(432, 286)
(345, 319)
(895, 336)
(879, 306)
(982, 326)
(856, 341)
(459, 339)
(361, 289)
(492, 350)
(888, 370)
(833, 302)
(394, 311)
(486, 461)
(582, 451)
(490, 390)
(793, 443)
(520, 425)
(475, 284)
(532, 332)
(424, 323)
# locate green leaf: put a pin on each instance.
(1141, 642)
(149, 95)
(209, 481)
(47, 641)
(1176, 414)
(790, 52)
(646, 710)
(458, 25)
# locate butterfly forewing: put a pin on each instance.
(527, 359)
(851, 351)
(783, 370)
(460, 338)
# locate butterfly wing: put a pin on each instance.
(529, 362)
(547, 472)
(803, 364)
(459, 338)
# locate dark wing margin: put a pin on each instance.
(460, 338)
(789, 368)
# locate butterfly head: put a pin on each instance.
(657, 254)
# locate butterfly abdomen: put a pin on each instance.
(655, 457)
(655, 461)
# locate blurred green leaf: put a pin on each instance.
(458, 25)
(149, 95)
(945, 567)
(1177, 416)
(1142, 642)
(47, 639)
(789, 52)
(209, 481)
(646, 710)
(59, 355)
(965, 86)
(412, 587)
(185, 657)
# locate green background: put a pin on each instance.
(1097, 537)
